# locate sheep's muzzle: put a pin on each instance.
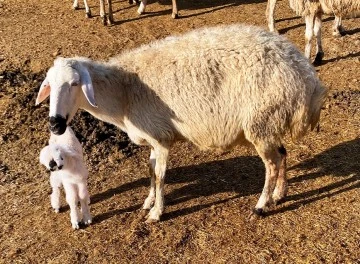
(57, 124)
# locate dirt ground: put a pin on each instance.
(209, 196)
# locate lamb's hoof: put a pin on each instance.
(56, 210)
(174, 16)
(88, 14)
(75, 225)
(318, 58)
(259, 211)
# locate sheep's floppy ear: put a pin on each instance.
(86, 85)
(44, 91)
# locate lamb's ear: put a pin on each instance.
(86, 85)
(44, 91)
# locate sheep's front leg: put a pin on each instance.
(281, 183)
(76, 4)
(110, 19)
(55, 183)
(72, 199)
(270, 8)
(87, 9)
(175, 13)
(161, 155)
(84, 202)
(272, 159)
(142, 7)
(149, 201)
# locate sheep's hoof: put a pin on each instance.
(88, 14)
(174, 16)
(318, 58)
(104, 19)
(57, 210)
(150, 220)
(88, 221)
(259, 211)
(76, 7)
(75, 225)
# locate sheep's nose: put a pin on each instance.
(52, 165)
(60, 167)
(57, 124)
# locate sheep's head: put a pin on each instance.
(66, 83)
(52, 157)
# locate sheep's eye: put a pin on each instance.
(74, 83)
(61, 158)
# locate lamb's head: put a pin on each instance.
(67, 83)
(52, 157)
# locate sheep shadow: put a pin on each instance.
(348, 56)
(213, 5)
(244, 176)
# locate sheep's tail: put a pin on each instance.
(308, 115)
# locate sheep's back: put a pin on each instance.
(341, 7)
(218, 84)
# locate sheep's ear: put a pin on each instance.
(86, 85)
(44, 91)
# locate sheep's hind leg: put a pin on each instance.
(338, 29)
(161, 154)
(149, 201)
(142, 7)
(272, 159)
(175, 13)
(270, 8)
(76, 5)
(317, 32)
(281, 183)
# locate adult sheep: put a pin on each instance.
(216, 87)
(107, 20)
(313, 10)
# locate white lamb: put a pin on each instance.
(107, 20)
(216, 87)
(63, 157)
(313, 10)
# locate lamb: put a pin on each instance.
(143, 3)
(313, 10)
(215, 87)
(106, 20)
(64, 158)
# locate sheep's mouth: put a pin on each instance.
(58, 124)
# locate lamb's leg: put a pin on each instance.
(309, 30)
(149, 201)
(175, 13)
(72, 199)
(110, 19)
(281, 183)
(161, 155)
(87, 9)
(84, 202)
(270, 8)
(142, 7)
(317, 32)
(272, 159)
(55, 195)
(338, 29)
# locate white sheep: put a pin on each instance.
(107, 20)
(216, 87)
(313, 10)
(143, 3)
(63, 157)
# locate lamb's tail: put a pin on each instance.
(308, 115)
